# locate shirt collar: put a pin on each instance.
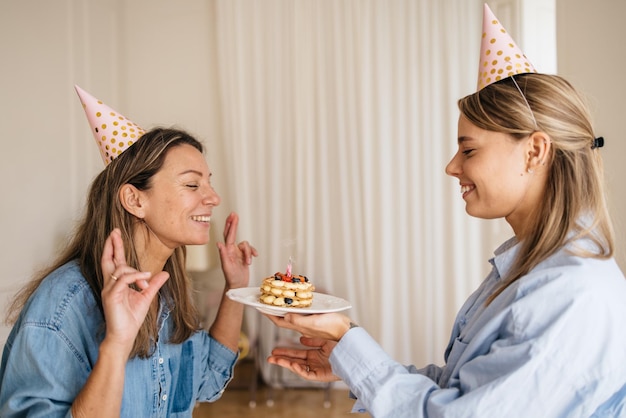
(504, 256)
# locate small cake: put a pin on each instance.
(287, 291)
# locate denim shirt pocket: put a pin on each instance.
(183, 387)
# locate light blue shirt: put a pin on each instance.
(54, 346)
(553, 344)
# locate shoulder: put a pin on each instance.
(571, 288)
(63, 295)
(62, 315)
(577, 274)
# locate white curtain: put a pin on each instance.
(339, 116)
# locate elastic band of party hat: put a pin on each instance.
(113, 132)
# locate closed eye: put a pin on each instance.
(468, 151)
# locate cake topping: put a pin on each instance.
(283, 277)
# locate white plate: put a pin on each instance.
(322, 303)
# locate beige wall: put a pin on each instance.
(148, 59)
(591, 54)
(151, 60)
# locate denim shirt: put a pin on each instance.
(54, 345)
(552, 344)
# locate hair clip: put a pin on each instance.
(598, 142)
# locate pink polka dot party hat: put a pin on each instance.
(500, 57)
(112, 131)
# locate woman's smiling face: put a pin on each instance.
(181, 199)
(492, 172)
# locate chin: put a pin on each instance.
(202, 241)
(470, 211)
(476, 213)
(479, 215)
(197, 240)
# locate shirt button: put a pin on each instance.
(164, 397)
(160, 360)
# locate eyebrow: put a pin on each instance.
(194, 172)
(463, 139)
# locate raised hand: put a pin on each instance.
(311, 363)
(125, 308)
(235, 258)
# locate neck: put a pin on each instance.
(152, 253)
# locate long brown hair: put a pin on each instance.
(103, 213)
(574, 205)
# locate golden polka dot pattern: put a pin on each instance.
(500, 57)
(112, 131)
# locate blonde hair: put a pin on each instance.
(574, 205)
(103, 213)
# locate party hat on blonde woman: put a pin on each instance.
(500, 57)
(112, 131)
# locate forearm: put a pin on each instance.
(102, 394)
(227, 325)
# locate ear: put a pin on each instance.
(539, 145)
(131, 199)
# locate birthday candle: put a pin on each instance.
(288, 274)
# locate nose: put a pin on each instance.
(211, 197)
(453, 168)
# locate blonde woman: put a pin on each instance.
(542, 336)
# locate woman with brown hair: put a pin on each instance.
(110, 329)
